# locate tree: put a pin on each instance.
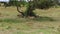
(41, 4)
(29, 11)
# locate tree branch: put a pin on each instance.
(21, 12)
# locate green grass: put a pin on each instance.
(21, 20)
(47, 23)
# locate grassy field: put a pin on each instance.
(48, 23)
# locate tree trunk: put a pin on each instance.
(29, 11)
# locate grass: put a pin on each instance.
(44, 19)
(47, 23)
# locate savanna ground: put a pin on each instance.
(48, 23)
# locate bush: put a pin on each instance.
(44, 3)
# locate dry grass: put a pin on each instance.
(11, 24)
